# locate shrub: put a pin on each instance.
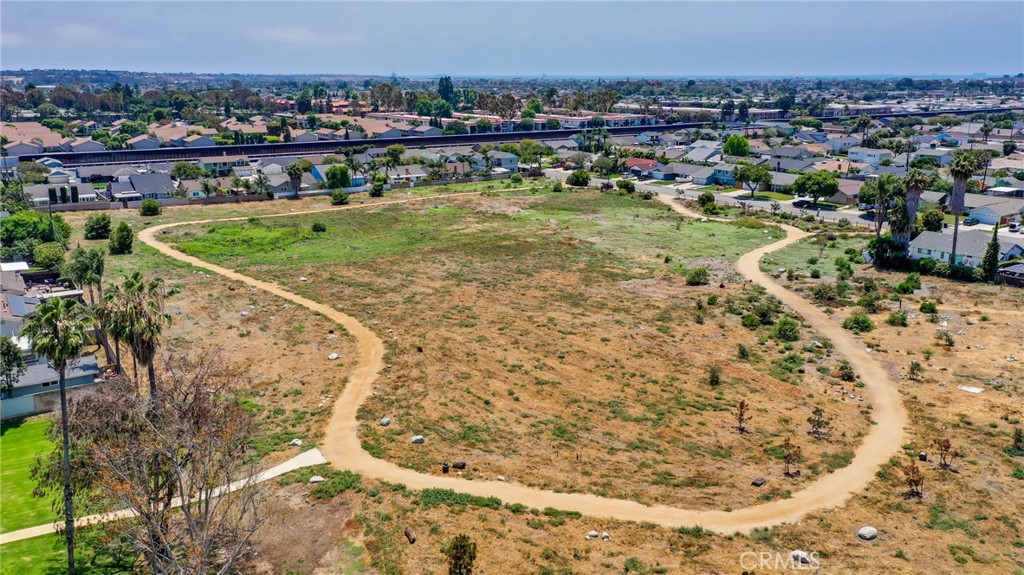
(825, 293)
(815, 273)
(929, 307)
(626, 186)
(707, 198)
(121, 239)
(339, 198)
(698, 276)
(319, 227)
(377, 189)
(966, 273)
(750, 322)
(846, 372)
(742, 351)
(714, 375)
(869, 301)
(859, 323)
(788, 329)
(645, 195)
(579, 178)
(48, 255)
(897, 318)
(557, 187)
(927, 266)
(97, 227)
(149, 207)
(516, 178)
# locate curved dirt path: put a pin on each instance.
(342, 447)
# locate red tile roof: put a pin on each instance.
(642, 163)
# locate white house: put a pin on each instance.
(970, 248)
(869, 156)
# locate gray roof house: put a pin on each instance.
(155, 186)
(970, 247)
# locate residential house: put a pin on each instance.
(941, 156)
(279, 186)
(406, 174)
(993, 209)
(640, 167)
(703, 154)
(426, 130)
(143, 142)
(714, 144)
(848, 194)
(303, 136)
(782, 181)
(23, 147)
(223, 165)
(82, 145)
(870, 156)
(723, 174)
(841, 144)
(60, 176)
(194, 141)
(674, 171)
(566, 145)
(504, 161)
(704, 176)
(44, 194)
(790, 164)
(792, 152)
(152, 186)
(970, 249)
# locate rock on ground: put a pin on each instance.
(867, 533)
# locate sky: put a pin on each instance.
(525, 38)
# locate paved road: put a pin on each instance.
(341, 445)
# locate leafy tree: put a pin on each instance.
(456, 128)
(97, 227)
(791, 454)
(961, 168)
(12, 365)
(626, 186)
(49, 256)
(1009, 147)
(484, 126)
(698, 276)
(821, 423)
(990, 261)
(932, 220)
(736, 145)
(149, 207)
(395, 153)
(338, 177)
(377, 189)
(752, 176)
(33, 225)
(706, 198)
(914, 185)
(187, 171)
(58, 329)
(121, 239)
(446, 89)
(13, 197)
(295, 172)
(579, 178)
(817, 185)
(339, 198)
(461, 553)
(787, 329)
(553, 124)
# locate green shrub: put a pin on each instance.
(557, 187)
(339, 198)
(97, 227)
(121, 239)
(319, 228)
(516, 179)
(706, 198)
(149, 207)
(897, 318)
(334, 483)
(626, 186)
(859, 323)
(788, 329)
(750, 322)
(714, 375)
(49, 255)
(698, 276)
(645, 195)
(816, 273)
(929, 307)
(579, 178)
(927, 266)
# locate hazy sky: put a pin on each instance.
(528, 38)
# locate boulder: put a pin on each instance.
(501, 478)
(867, 533)
(303, 280)
(605, 536)
(385, 421)
(245, 314)
(759, 482)
(592, 535)
(316, 479)
(296, 441)
(418, 440)
(799, 556)
(334, 356)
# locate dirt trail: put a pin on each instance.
(342, 448)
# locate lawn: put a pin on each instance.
(20, 442)
(764, 196)
(799, 256)
(47, 555)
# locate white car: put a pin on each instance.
(1013, 227)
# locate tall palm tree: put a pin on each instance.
(58, 329)
(112, 312)
(961, 168)
(913, 185)
(260, 183)
(136, 310)
(85, 269)
(888, 186)
(354, 165)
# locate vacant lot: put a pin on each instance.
(553, 340)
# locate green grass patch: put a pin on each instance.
(808, 254)
(47, 555)
(21, 441)
(451, 498)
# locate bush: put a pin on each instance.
(121, 239)
(516, 179)
(815, 273)
(698, 276)
(706, 198)
(788, 329)
(966, 273)
(897, 318)
(750, 322)
(377, 189)
(97, 227)
(929, 307)
(714, 375)
(579, 178)
(825, 293)
(149, 207)
(319, 227)
(927, 266)
(859, 323)
(645, 195)
(557, 187)
(626, 186)
(48, 255)
(869, 301)
(339, 198)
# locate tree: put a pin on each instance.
(48, 256)
(626, 186)
(915, 371)
(143, 316)
(914, 479)
(395, 153)
(58, 328)
(787, 329)
(961, 168)
(149, 207)
(295, 172)
(791, 454)
(579, 178)
(12, 365)
(1009, 147)
(456, 128)
(821, 424)
(461, 553)
(97, 227)
(339, 198)
(484, 126)
(862, 124)
(377, 189)
(882, 192)
(338, 177)
(85, 269)
(736, 145)
(752, 176)
(817, 185)
(33, 225)
(990, 261)
(187, 171)
(913, 185)
(121, 240)
(742, 416)
(446, 89)
(946, 452)
(932, 220)
(706, 198)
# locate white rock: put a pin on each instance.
(605, 536)
(303, 279)
(867, 533)
(800, 556)
(500, 478)
(316, 479)
(333, 356)
(592, 535)
(296, 441)
(418, 440)
(244, 314)
(385, 421)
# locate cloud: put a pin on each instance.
(75, 32)
(302, 37)
(13, 40)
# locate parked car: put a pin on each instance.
(1013, 227)
(971, 222)
(684, 179)
(866, 207)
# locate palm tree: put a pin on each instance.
(136, 313)
(961, 168)
(354, 165)
(58, 329)
(295, 172)
(888, 186)
(260, 183)
(112, 313)
(85, 269)
(914, 185)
